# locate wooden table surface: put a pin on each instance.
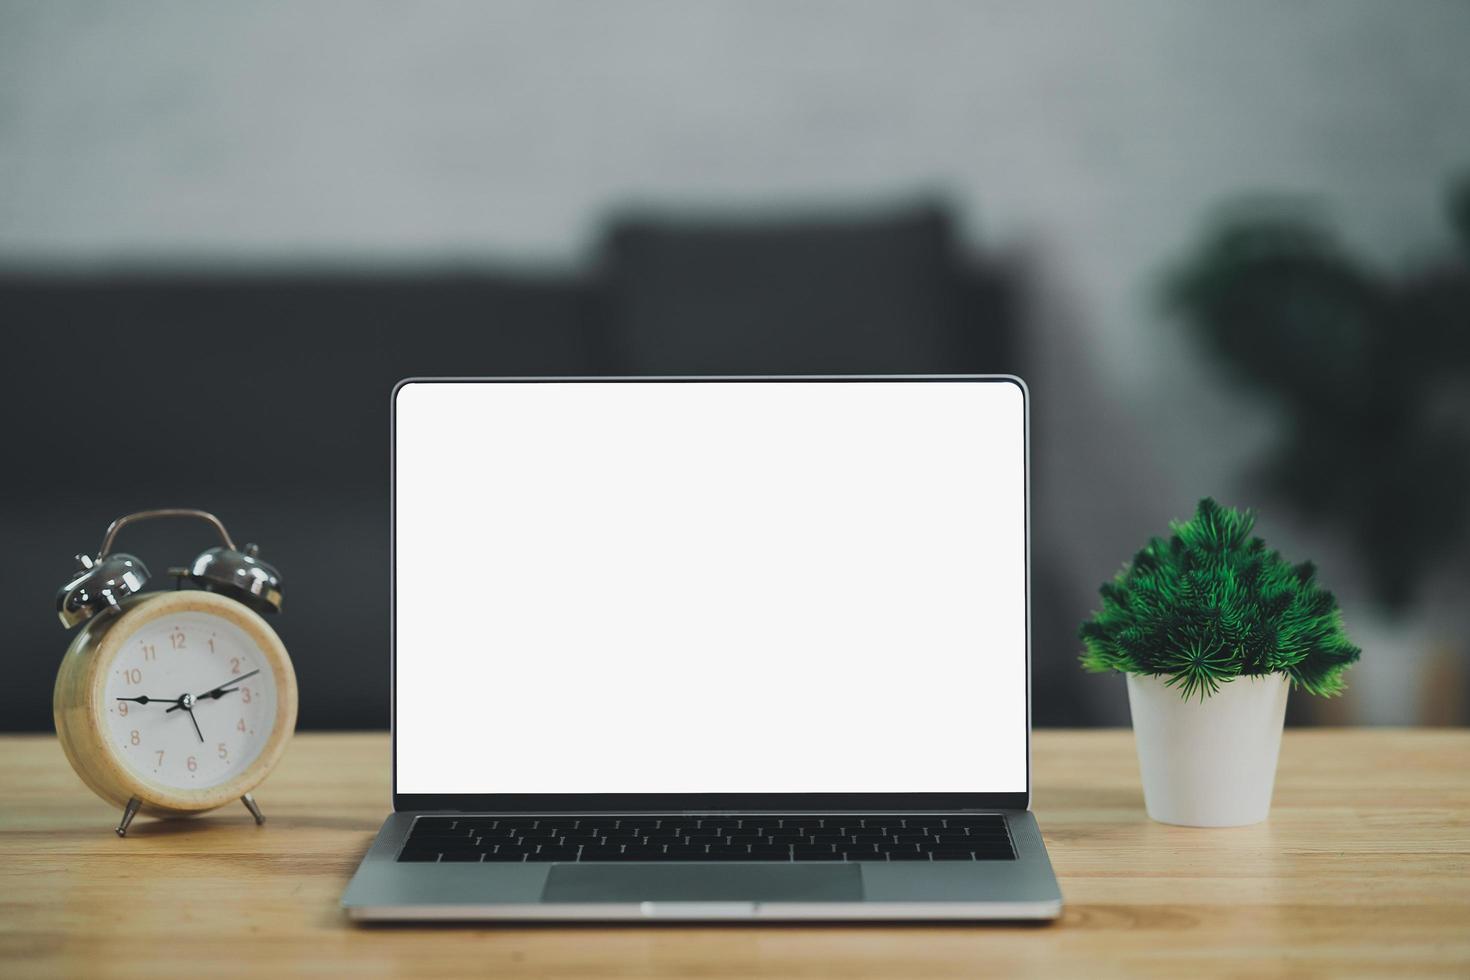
(1363, 868)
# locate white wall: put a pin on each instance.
(505, 129)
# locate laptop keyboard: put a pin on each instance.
(470, 838)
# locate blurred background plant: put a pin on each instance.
(1370, 369)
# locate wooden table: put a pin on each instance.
(1363, 868)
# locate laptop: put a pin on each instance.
(738, 648)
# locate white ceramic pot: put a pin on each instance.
(1210, 763)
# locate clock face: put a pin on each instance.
(218, 683)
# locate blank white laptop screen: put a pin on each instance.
(710, 587)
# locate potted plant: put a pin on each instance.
(1212, 629)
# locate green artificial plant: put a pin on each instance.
(1213, 603)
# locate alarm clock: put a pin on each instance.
(171, 703)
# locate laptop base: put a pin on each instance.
(386, 889)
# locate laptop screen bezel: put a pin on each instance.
(704, 802)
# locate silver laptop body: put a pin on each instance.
(710, 649)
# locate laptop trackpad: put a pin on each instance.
(704, 883)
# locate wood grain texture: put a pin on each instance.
(1362, 870)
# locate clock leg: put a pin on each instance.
(128, 814)
(254, 808)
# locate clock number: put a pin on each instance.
(122, 708)
(159, 753)
(134, 737)
(150, 652)
(234, 665)
(245, 695)
(224, 753)
(241, 725)
(211, 644)
(133, 675)
(191, 763)
(177, 639)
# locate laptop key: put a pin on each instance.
(703, 833)
(622, 834)
(991, 822)
(496, 835)
(639, 824)
(994, 854)
(950, 854)
(464, 829)
(554, 854)
(461, 855)
(602, 854)
(419, 855)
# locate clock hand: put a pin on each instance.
(196, 723)
(223, 689)
(218, 692)
(185, 701)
